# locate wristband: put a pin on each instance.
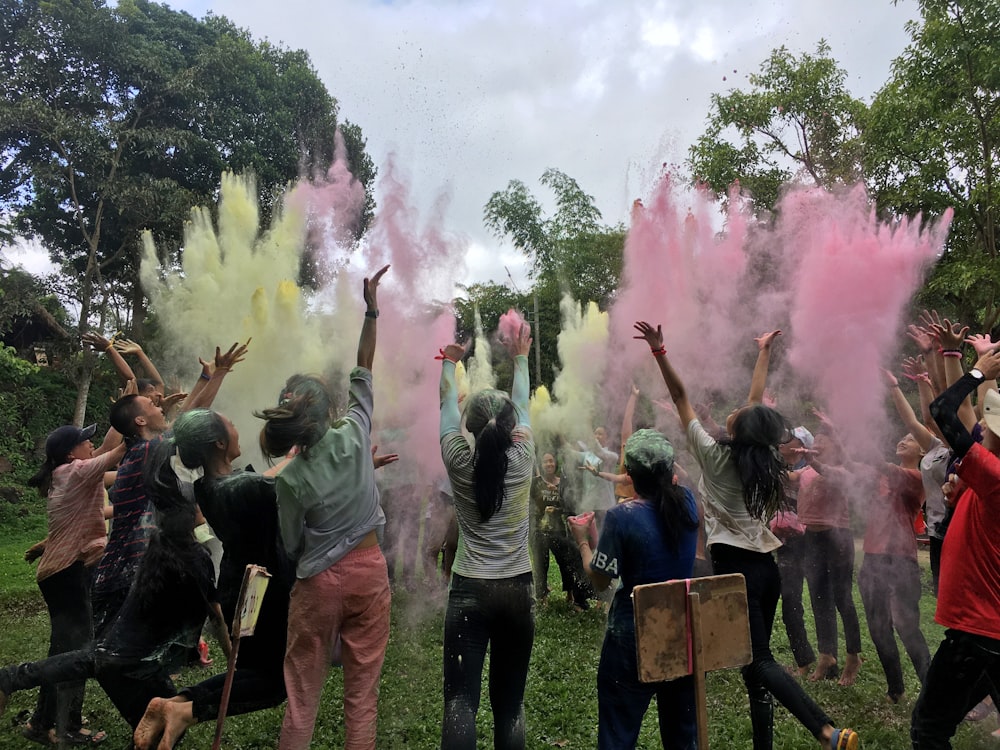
(205, 376)
(109, 347)
(444, 358)
(661, 350)
(951, 352)
(371, 314)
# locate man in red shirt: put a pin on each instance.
(969, 592)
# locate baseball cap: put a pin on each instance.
(804, 436)
(991, 411)
(64, 439)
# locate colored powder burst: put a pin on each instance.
(511, 323)
(481, 375)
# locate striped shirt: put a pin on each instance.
(497, 548)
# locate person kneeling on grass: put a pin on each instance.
(160, 621)
(649, 539)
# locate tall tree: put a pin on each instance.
(118, 119)
(932, 143)
(796, 122)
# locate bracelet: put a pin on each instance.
(951, 353)
(585, 541)
(205, 376)
(662, 350)
(109, 347)
(371, 314)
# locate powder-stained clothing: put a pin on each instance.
(969, 595)
(131, 524)
(822, 501)
(727, 520)
(633, 547)
(75, 507)
(497, 548)
(891, 515)
(934, 472)
(327, 499)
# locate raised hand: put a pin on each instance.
(951, 335)
(95, 341)
(889, 378)
(383, 460)
(522, 344)
(452, 352)
(237, 353)
(652, 336)
(915, 368)
(989, 364)
(765, 340)
(126, 346)
(169, 402)
(371, 288)
(982, 343)
(922, 337)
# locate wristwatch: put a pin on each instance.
(371, 314)
(977, 373)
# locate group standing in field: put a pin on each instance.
(762, 497)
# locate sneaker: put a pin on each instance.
(845, 739)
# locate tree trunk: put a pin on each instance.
(83, 391)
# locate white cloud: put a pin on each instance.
(473, 94)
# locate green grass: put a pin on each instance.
(561, 699)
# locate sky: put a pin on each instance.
(469, 94)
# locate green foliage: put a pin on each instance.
(116, 119)
(932, 141)
(797, 121)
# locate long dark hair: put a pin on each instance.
(491, 418)
(173, 551)
(758, 430)
(652, 474)
(301, 417)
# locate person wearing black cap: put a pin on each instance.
(73, 479)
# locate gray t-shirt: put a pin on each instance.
(933, 473)
(727, 520)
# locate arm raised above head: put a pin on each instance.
(678, 394)
(366, 344)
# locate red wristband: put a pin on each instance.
(661, 350)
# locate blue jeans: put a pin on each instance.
(622, 701)
(499, 614)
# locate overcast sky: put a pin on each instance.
(473, 93)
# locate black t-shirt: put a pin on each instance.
(243, 513)
(160, 631)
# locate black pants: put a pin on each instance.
(963, 670)
(258, 681)
(574, 579)
(890, 590)
(829, 565)
(763, 677)
(67, 596)
(791, 565)
(130, 685)
(935, 549)
(499, 614)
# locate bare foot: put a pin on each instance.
(824, 667)
(179, 714)
(150, 725)
(803, 670)
(851, 667)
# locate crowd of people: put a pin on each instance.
(763, 497)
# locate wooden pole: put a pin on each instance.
(698, 669)
(233, 652)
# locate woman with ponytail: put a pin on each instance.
(649, 539)
(72, 478)
(331, 524)
(742, 488)
(240, 507)
(490, 602)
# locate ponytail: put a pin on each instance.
(491, 418)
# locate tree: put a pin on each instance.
(797, 122)
(570, 250)
(932, 142)
(116, 120)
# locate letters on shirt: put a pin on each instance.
(602, 563)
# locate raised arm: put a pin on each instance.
(945, 407)
(451, 418)
(928, 345)
(98, 343)
(127, 346)
(366, 344)
(627, 418)
(914, 426)
(952, 336)
(520, 389)
(983, 344)
(760, 368)
(654, 337)
(206, 389)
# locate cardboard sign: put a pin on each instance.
(251, 598)
(663, 634)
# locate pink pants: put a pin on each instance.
(350, 599)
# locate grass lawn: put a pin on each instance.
(561, 701)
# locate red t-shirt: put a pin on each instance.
(822, 500)
(891, 516)
(969, 587)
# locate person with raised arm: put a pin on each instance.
(968, 603)
(648, 539)
(331, 525)
(742, 486)
(490, 601)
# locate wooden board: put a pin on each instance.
(661, 626)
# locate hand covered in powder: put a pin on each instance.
(891, 380)
(521, 344)
(237, 353)
(371, 288)
(452, 353)
(765, 340)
